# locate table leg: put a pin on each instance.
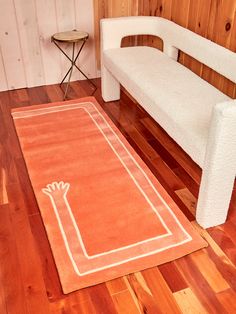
(65, 76)
(70, 70)
(85, 76)
(73, 63)
(80, 69)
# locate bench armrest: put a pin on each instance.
(114, 29)
(221, 143)
(219, 167)
(226, 110)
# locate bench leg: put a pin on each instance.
(214, 196)
(110, 86)
(219, 167)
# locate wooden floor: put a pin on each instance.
(203, 282)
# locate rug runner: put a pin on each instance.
(105, 213)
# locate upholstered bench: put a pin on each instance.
(200, 118)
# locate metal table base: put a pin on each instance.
(73, 59)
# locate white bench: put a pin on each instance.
(200, 118)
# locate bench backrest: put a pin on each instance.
(175, 37)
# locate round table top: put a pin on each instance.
(70, 36)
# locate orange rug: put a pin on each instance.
(105, 213)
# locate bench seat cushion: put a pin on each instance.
(179, 100)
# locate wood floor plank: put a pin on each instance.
(11, 143)
(193, 187)
(198, 284)
(24, 180)
(71, 304)
(29, 262)
(223, 263)
(188, 302)
(37, 95)
(227, 299)
(133, 294)
(57, 307)
(13, 300)
(14, 100)
(3, 192)
(209, 270)
(145, 133)
(146, 301)
(212, 243)
(23, 96)
(102, 300)
(160, 291)
(50, 275)
(3, 127)
(84, 308)
(230, 229)
(172, 180)
(84, 88)
(173, 277)
(114, 113)
(3, 307)
(163, 153)
(54, 93)
(225, 242)
(140, 141)
(116, 285)
(188, 199)
(226, 268)
(124, 303)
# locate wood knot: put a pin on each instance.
(161, 8)
(29, 289)
(49, 295)
(227, 26)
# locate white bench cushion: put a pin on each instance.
(179, 100)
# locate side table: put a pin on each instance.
(73, 37)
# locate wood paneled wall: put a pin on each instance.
(27, 56)
(213, 19)
(111, 8)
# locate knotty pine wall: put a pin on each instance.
(27, 56)
(213, 19)
(111, 8)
